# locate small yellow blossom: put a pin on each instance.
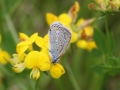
(37, 61)
(24, 45)
(4, 56)
(86, 39)
(89, 45)
(63, 18)
(56, 70)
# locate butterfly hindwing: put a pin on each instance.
(59, 37)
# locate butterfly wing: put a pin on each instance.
(59, 39)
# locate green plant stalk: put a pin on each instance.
(108, 36)
(36, 84)
(72, 77)
(9, 22)
(97, 82)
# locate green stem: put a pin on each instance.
(36, 84)
(9, 22)
(72, 78)
(108, 36)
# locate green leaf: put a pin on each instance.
(113, 66)
(100, 40)
(99, 69)
(95, 53)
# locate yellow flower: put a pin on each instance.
(17, 63)
(4, 56)
(86, 39)
(43, 42)
(89, 45)
(63, 18)
(37, 61)
(56, 70)
(25, 43)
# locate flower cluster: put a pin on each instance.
(40, 60)
(82, 32)
(27, 57)
(105, 6)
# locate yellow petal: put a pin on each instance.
(33, 37)
(50, 18)
(89, 31)
(39, 41)
(65, 19)
(21, 49)
(91, 45)
(46, 41)
(82, 44)
(43, 62)
(19, 67)
(56, 70)
(31, 59)
(45, 50)
(35, 73)
(4, 56)
(30, 47)
(23, 36)
(74, 37)
(16, 59)
(23, 43)
(37, 59)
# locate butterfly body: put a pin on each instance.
(59, 37)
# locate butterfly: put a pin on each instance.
(59, 37)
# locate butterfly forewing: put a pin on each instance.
(59, 37)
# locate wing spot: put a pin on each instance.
(61, 45)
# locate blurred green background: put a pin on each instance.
(28, 16)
